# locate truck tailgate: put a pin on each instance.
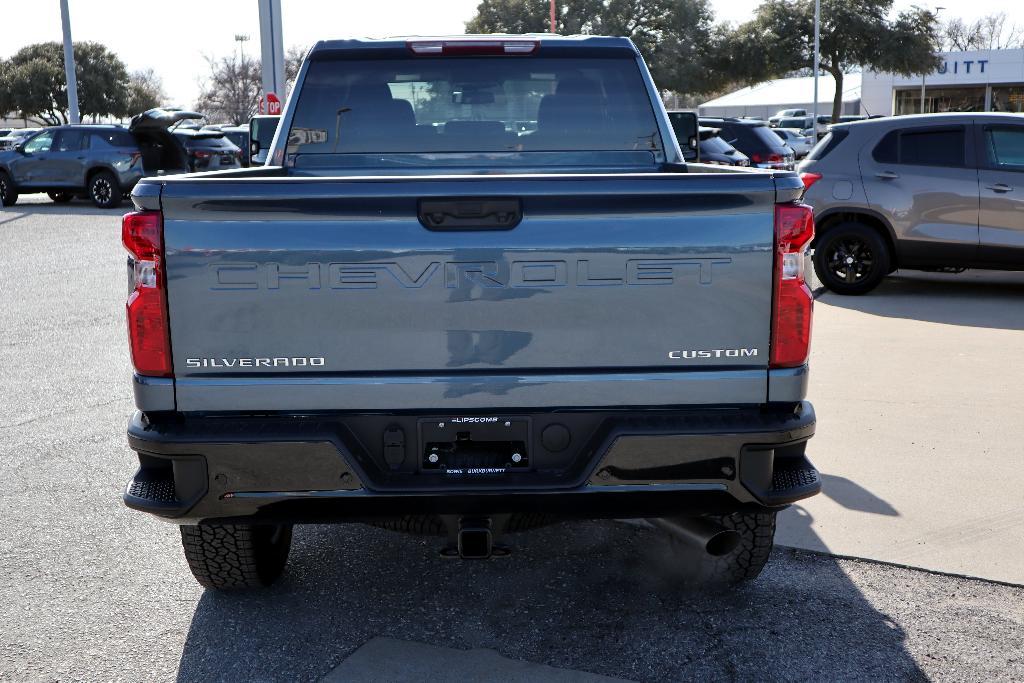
(310, 294)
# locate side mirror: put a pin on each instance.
(20, 149)
(254, 144)
(688, 133)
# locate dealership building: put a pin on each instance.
(984, 80)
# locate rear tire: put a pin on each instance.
(757, 536)
(60, 197)
(104, 190)
(236, 556)
(851, 258)
(8, 193)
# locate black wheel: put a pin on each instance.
(851, 258)
(757, 536)
(60, 197)
(8, 193)
(104, 190)
(234, 556)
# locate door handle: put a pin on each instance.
(887, 175)
(470, 214)
(999, 187)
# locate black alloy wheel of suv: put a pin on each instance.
(851, 258)
(104, 190)
(8, 193)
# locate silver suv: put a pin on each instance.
(927, 192)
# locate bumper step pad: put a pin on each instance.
(159, 491)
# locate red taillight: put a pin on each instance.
(201, 154)
(809, 179)
(778, 158)
(755, 157)
(148, 331)
(793, 305)
(472, 47)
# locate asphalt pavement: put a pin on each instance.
(92, 591)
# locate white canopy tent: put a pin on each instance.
(764, 99)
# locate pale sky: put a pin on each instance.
(172, 38)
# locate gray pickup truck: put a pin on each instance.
(476, 290)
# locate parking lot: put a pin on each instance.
(917, 388)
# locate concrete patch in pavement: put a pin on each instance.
(390, 659)
(917, 390)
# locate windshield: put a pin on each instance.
(206, 140)
(480, 104)
(767, 137)
(716, 145)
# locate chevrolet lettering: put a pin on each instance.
(487, 274)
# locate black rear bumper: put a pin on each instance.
(352, 467)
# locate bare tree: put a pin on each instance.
(992, 32)
(233, 89)
(231, 93)
(145, 91)
(292, 62)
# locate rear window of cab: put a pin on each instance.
(477, 104)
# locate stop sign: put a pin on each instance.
(273, 104)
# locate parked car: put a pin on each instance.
(101, 162)
(756, 140)
(715, 150)
(925, 192)
(208, 150)
(801, 123)
(15, 136)
(239, 137)
(263, 127)
(385, 329)
(774, 119)
(796, 140)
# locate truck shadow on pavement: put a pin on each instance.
(590, 596)
(989, 299)
(796, 523)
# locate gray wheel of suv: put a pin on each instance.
(851, 258)
(8, 194)
(104, 190)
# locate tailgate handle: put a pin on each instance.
(470, 214)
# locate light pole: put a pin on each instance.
(69, 64)
(553, 25)
(817, 64)
(923, 76)
(241, 39)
